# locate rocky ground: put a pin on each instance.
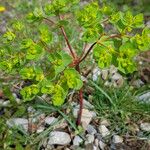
(95, 135)
(57, 131)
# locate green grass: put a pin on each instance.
(119, 106)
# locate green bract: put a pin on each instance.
(29, 92)
(45, 34)
(73, 79)
(48, 46)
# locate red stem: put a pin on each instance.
(80, 101)
(52, 22)
(89, 50)
(114, 36)
(67, 41)
(81, 107)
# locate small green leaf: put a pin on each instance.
(27, 73)
(59, 96)
(47, 87)
(36, 15)
(138, 21)
(9, 36)
(18, 25)
(29, 92)
(45, 34)
(63, 23)
(26, 43)
(34, 52)
(73, 79)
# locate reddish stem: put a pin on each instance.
(67, 41)
(115, 36)
(80, 100)
(89, 50)
(50, 21)
(81, 107)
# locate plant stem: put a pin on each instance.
(81, 107)
(115, 36)
(67, 41)
(80, 100)
(89, 50)
(50, 21)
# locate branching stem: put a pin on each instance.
(67, 41)
(89, 50)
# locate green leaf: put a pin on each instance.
(143, 41)
(127, 19)
(49, 10)
(116, 17)
(59, 96)
(62, 23)
(128, 50)
(73, 79)
(34, 52)
(138, 21)
(38, 73)
(29, 92)
(18, 25)
(60, 60)
(36, 15)
(9, 36)
(27, 73)
(32, 73)
(92, 34)
(45, 34)
(90, 15)
(126, 63)
(47, 87)
(103, 53)
(26, 43)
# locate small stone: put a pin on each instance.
(63, 124)
(49, 147)
(117, 139)
(96, 142)
(77, 141)
(96, 73)
(75, 112)
(104, 74)
(40, 129)
(112, 70)
(90, 97)
(103, 131)
(94, 147)
(88, 146)
(18, 122)
(90, 139)
(145, 97)
(145, 126)
(37, 117)
(102, 145)
(50, 120)
(91, 130)
(31, 109)
(134, 128)
(105, 122)
(86, 118)
(67, 148)
(87, 104)
(138, 83)
(5, 103)
(116, 76)
(59, 138)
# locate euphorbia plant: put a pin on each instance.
(34, 47)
